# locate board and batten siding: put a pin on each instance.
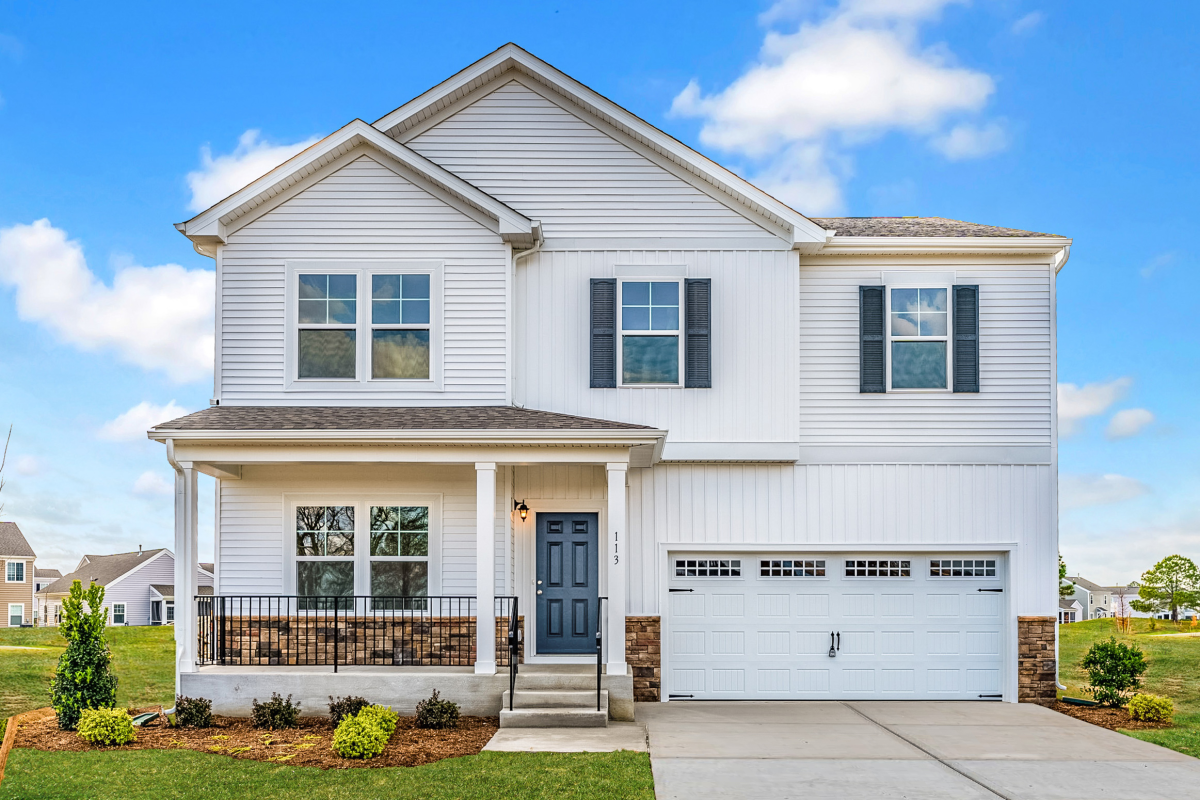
(362, 211)
(581, 182)
(253, 530)
(754, 333)
(879, 505)
(1013, 406)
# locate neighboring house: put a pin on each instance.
(1070, 610)
(1103, 601)
(511, 353)
(41, 579)
(133, 584)
(16, 585)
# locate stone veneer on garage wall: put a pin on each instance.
(1037, 669)
(642, 653)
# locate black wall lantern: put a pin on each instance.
(521, 509)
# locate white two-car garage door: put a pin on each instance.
(798, 626)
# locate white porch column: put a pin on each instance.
(485, 568)
(617, 551)
(187, 564)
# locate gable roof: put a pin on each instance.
(805, 233)
(1086, 584)
(12, 542)
(211, 226)
(1068, 603)
(921, 226)
(103, 570)
(41, 572)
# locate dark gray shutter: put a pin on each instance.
(697, 312)
(966, 338)
(604, 333)
(871, 369)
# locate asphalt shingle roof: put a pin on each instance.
(12, 542)
(286, 418)
(40, 572)
(918, 226)
(102, 569)
(168, 589)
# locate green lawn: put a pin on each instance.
(1174, 672)
(187, 775)
(143, 658)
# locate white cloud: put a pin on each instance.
(151, 483)
(154, 317)
(836, 82)
(1081, 491)
(966, 140)
(1128, 422)
(1122, 554)
(133, 424)
(1077, 403)
(1159, 262)
(1028, 23)
(28, 466)
(221, 176)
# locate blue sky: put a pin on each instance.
(1070, 118)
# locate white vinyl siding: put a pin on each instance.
(551, 165)
(754, 331)
(1012, 407)
(363, 211)
(134, 590)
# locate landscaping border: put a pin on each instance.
(10, 732)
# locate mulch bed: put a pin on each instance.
(1115, 719)
(309, 745)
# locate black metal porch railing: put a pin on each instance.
(600, 648)
(514, 655)
(292, 630)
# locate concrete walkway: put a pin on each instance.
(919, 750)
(617, 736)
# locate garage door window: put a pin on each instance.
(962, 568)
(708, 568)
(794, 568)
(870, 568)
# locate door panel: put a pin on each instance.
(567, 583)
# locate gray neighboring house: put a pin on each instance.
(138, 586)
(1099, 602)
(41, 579)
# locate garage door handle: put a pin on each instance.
(989, 590)
(832, 648)
(681, 590)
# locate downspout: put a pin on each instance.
(538, 238)
(537, 243)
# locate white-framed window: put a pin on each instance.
(364, 325)
(651, 342)
(14, 572)
(708, 568)
(1067, 617)
(369, 545)
(16, 614)
(118, 613)
(962, 568)
(918, 334)
(791, 568)
(170, 604)
(878, 568)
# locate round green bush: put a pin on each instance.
(1114, 668)
(382, 716)
(437, 713)
(1151, 708)
(106, 726)
(358, 737)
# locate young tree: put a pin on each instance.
(1121, 608)
(1065, 587)
(1169, 585)
(84, 677)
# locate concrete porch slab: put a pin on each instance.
(617, 736)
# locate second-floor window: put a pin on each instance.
(327, 314)
(918, 326)
(649, 333)
(400, 326)
(14, 572)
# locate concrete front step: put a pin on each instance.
(556, 698)
(553, 717)
(549, 682)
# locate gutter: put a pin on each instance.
(538, 239)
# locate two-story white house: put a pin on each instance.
(511, 355)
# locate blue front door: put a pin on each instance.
(567, 583)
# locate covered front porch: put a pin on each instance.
(457, 590)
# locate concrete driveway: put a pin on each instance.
(924, 751)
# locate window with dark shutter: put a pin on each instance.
(604, 333)
(966, 338)
(871, 366)
(698, 333)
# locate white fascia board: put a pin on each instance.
(947, 245)
(804, 234)
(140, 564)
(209, 227)
(399, 437)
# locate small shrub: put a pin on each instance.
(193, 712)
(1151, 708)
(1113, 669)
(436, 713)
(106, 726)
(343, 707)
(382, 716)
(359, 736)
(84, 677)
(275, 714)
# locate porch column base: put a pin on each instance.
(616, 668)
(485, 667)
